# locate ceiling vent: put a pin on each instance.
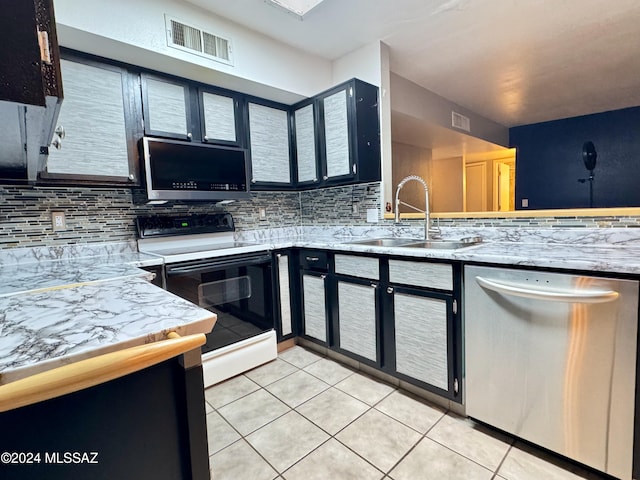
(194, 40)
(460, 121)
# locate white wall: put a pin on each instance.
(133, 31)
(411, 99)
(371, 64)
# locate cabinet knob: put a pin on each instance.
(374, 285)
(60, 132)
(325, 177)
(132, 177)
(389, 289)
(278, 255)
(206, 138)
(253, 180)
(323, 277)
(315, 179)
(189, 135)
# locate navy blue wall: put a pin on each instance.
(549, 161)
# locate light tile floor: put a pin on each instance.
(306, 417)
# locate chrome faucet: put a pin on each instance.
(427, 219)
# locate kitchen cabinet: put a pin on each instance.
(357, 312)
(98, 146)
(30, 87)
(220, 114)
(305, 145)
(167, 108)
(401, 317)
(104, 421)
(269, 145)
(349, 134)
(284, 292)
(183, 110)
(423, 331)
(314, 267)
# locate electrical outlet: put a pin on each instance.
(355, 209)
(58, 222)
(525, 202)
(263, 213)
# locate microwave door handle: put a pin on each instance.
(548, 294)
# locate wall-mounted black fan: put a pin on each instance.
(589, 156)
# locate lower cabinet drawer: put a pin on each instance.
(421, 274)
(363, 267)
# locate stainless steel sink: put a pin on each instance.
(444, 244)
(385, 242)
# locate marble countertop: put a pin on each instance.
(596, 258)
(48, 328)
(21, 278)
(586, 257)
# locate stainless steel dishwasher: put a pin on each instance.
(551, 358)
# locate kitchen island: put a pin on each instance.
(150, 423)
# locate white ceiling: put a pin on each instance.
(513, 61)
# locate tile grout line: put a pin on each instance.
(504, 458)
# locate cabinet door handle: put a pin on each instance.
(389, 289)
(312, 259)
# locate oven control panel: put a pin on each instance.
(163, 225)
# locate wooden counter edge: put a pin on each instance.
(93, 371)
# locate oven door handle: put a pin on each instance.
(218, 264)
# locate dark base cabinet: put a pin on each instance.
(150, 424)
(395, 314)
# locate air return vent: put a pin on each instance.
(460, 121)
(194, 40)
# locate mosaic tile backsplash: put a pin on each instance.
(108, 215)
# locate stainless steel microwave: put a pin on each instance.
(177, 170)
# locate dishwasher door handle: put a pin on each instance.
(553, 295)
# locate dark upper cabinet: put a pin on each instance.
(220, 117)
(269, 145)
(99, 126)
(347, 136)
(183, 110)
(305, 144)
(167, 108)
(30, 87)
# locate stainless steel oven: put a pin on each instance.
(237, 289)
